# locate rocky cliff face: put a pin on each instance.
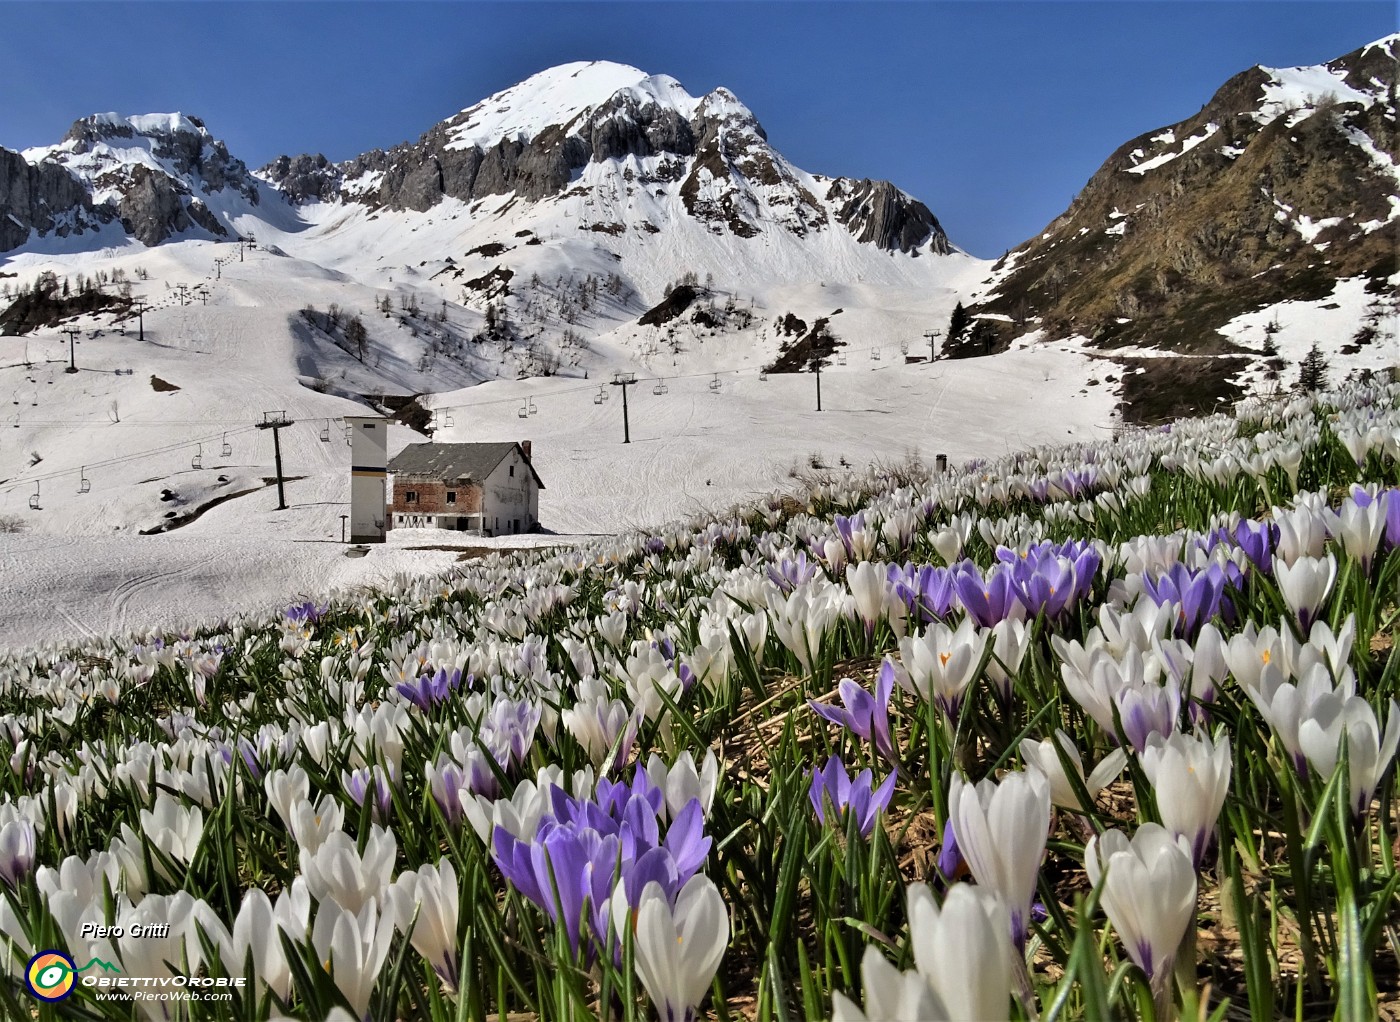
(1285, 182)
(42, 198)
(159, 175)
(537, 139)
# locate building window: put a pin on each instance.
(410, 497)
(512, 471)
(452, 496)
(366, 425)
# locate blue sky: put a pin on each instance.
(994, 114)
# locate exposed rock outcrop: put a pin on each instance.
(729, 177)
(1270, 192)
(156, 174)
(45, 198)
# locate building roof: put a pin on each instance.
(455, 461)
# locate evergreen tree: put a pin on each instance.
(957, 324)
(1312, 371)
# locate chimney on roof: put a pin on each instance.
(525, 449)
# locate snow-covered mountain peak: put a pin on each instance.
(554, 96)
(160, 174)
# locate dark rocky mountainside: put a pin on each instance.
(1282, 184)
(158, 175)
(45, 198)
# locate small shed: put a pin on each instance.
(490, 489)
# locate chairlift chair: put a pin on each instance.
(715, 384)
(660, 388)
(198, 460)
(34, 498)
(874, 354)
(598, 397)
(326, 432)
(227, 448)
(524, 412)
(448, 421)
(84, 483)
(530, 404)
(841, 359)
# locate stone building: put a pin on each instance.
(489, 489)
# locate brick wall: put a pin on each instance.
(432, 497)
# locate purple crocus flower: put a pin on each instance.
(430, 690)
(846, 527)
(370, 782)
(791, 572)
(583, 849)
(306, 613)
(445, 783)
(1392, 519)
(1044, 586)
(1196, 594)
(1146, 709)
(1257, 540)
(927, 590)
(951, 864)
(833, 786)
(510, 726)
(864, 715)
(987, 600)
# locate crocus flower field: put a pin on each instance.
(1091, 732)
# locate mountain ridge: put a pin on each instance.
(1282, 185)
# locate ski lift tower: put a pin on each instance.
(369, 458)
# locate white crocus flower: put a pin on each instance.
(1251, 651)
(1360, 528)
(75, 893)
(963, 950)
(1323, 646)
(337, 871)
(310, 825)
(1302, 533)
(316, 739)
(1190, 776)
(1305, 585)
(867, 584)
(803, 620)
(433, 894)
(177, 952)
(352, 947)
(1369, 753)
(1010, 640)
(890, 995)
(1285, 705)
(1001, 830)
(170, 827)
(1043, 757)
(519, 815)
(681, 781)
(596, 721)
(678, 950)
(942, 662)
(285, 788)
(1208, 664)
(254, 933)
(1149, 895)
(16, 851)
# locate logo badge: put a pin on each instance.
(50, 975)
